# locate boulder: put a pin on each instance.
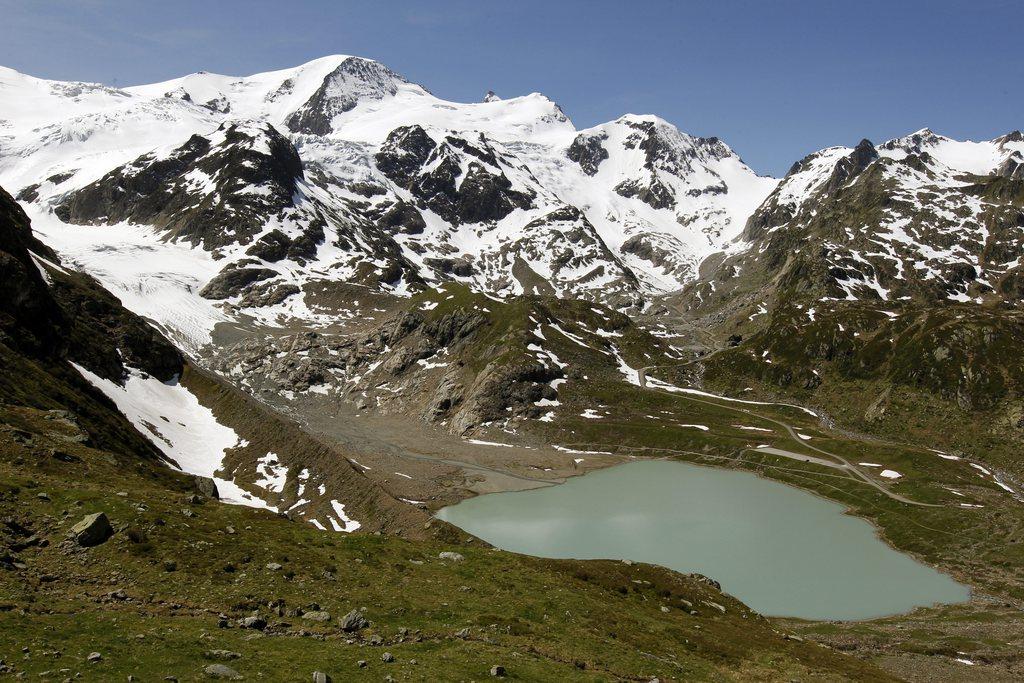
(321, 677)
(221, 671)
(449, 555)
(92, 530)
(353, 621)
(317, 615)
(206, 486)
(257, 623)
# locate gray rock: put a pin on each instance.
(221, 671)
(274, 566)
(94, 657)
(92, 530)
(206, 486)
(321, 677)
(449, 555)
(353, 621)
(257, 623)
(387, 657)
(498, 670)
(361, 663)
(317, 615)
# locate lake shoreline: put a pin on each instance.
(752, 534)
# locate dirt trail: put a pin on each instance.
(837, 461)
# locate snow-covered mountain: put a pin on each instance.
(921, 218)
(341, 169)
(232, 196)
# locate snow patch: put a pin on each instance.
(185, 431)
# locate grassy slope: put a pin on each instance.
(543, 620)
(978, 545)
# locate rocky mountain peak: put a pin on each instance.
(354, 79)
(916, 142)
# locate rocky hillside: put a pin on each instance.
(450, 357)
(922, 219)
(879, 280)
(109, 380)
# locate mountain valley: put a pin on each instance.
(339, 304)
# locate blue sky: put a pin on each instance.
(774, 79)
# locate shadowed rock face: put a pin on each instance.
(588, 151)
(233, 280)
(404, 152)
(29, 317)
(69, 314)
(433, 173)
(47, 320)
(210, 191)
(858, 160)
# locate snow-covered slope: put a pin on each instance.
(340, 169)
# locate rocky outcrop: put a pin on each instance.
(849, 167)
(211, 191)
(233, 280)
(267, 294)
(30, 319)
(271, 247)
(506, 389)
(404, 152)
(402, 218)
(433, 173)
(653, 192)
(588, 151)
(106, 338)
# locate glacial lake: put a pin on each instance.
(782, 551)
